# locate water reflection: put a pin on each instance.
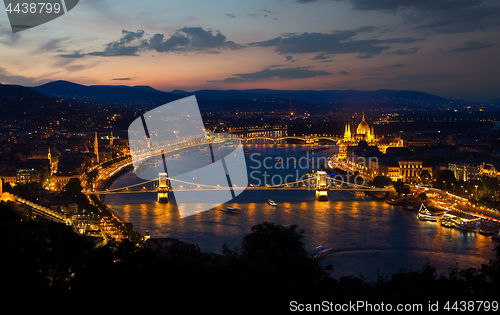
(366, 235)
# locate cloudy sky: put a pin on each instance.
(446, 47)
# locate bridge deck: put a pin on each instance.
(258, 188)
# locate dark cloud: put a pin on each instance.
(263, 13)
(275, 66)
(75, 54)
(344, 72)
(340, 42)
(289, 58)
(418, 5)
(129, 45)
(184, 40)
(285, 73)
(199, 38)
(231, 15)
(441, 16)
(365, 56)
(397, 65)
(471, 46)
(464, 21)
(121, 79)
(175, 42)
(321, 56)
(368, 29)
(409, 51)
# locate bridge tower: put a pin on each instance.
(321, 186)
(163, 188)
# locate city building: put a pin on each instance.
(365, 133)
(61, 178)
(464, 170)
(9, 177)
(26, 176)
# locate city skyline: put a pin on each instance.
(446, 48)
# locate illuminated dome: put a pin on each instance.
(363, 127)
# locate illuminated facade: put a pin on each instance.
(364, 132)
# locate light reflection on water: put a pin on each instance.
(366, 235)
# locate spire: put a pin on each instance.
(96, 147)
(363, 116)
(347, 133)
(111, 139)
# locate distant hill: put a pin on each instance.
(340, 98)
(146, 96)
(494, 101)
(325, 96)
(108, 94)
(8, 91)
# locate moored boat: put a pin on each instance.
(466, 225)
(232, 209)
(447, 223)
(487, 232)
(271, 203)
(425, 215)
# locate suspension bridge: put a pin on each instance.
(320, 182)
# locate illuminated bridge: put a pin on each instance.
(320, 182)
(276, 136)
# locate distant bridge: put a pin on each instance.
(306, 139)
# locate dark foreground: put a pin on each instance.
(46, 267)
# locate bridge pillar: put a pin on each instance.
(163, 188)
(321, 186)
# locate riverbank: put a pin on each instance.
(124, 228)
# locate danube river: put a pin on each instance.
(367, 235)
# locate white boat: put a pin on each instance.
(271, 203)
(425, 215)
(232, 209)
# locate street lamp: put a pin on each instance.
(476, 191)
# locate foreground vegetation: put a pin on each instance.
(48, 268)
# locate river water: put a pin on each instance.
(367, 235)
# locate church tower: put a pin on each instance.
(111, 140)
(347, 133)
(96, 147)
